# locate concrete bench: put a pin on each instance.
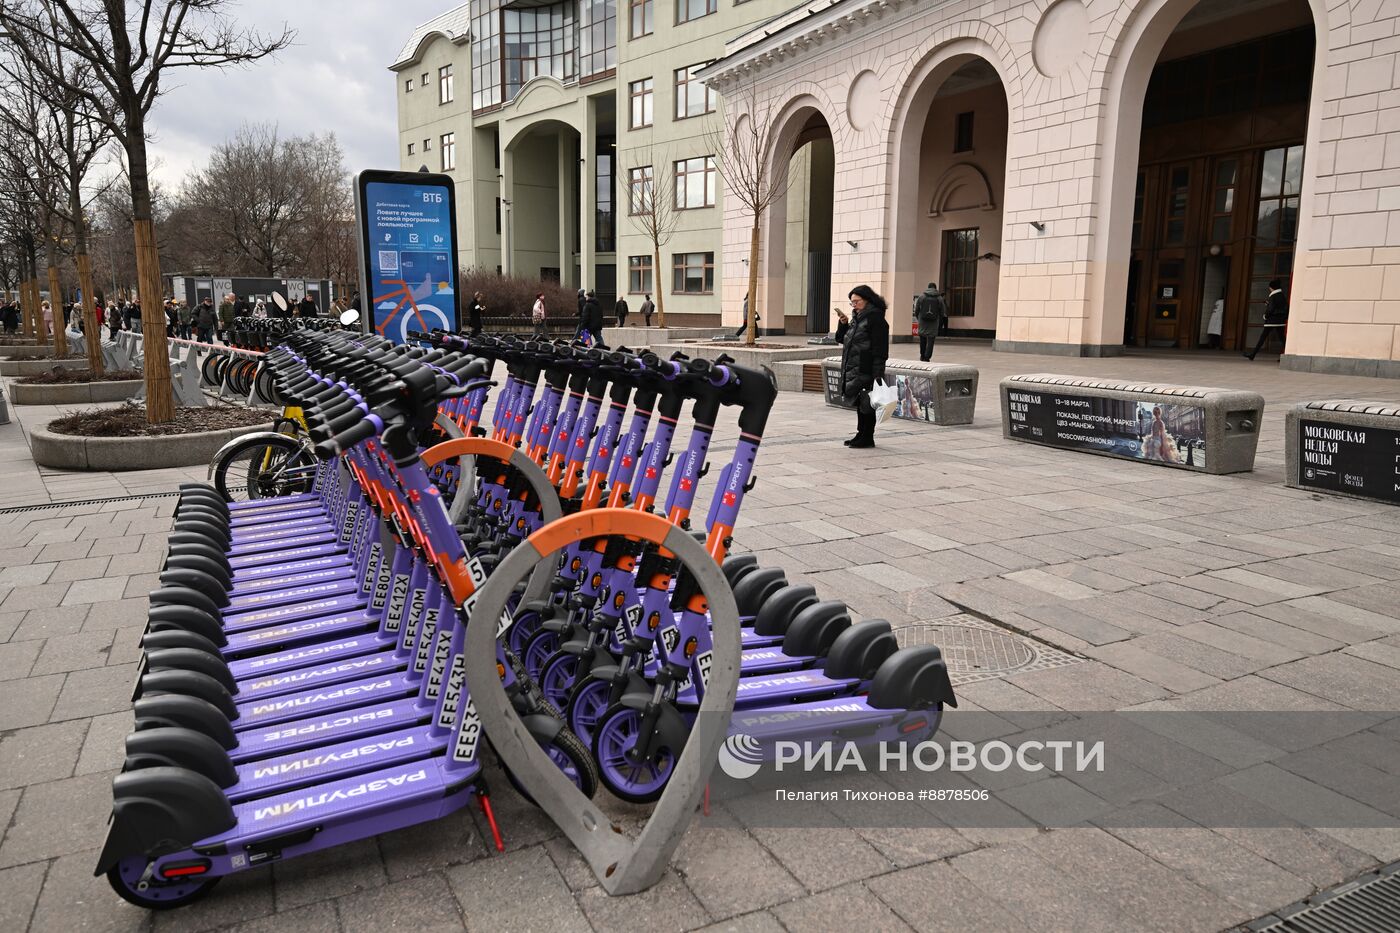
(1345, 447)
(930, 393)
(1210, 430)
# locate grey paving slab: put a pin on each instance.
(19, 892)
(840, 909)
(729, 872)
(1042, 896)
(519, 889)
(72, 899)
(329, 873)
(28, 702)
(667, 906)
(422, 903)
(40, 753)
(935, 897)
(57, 818)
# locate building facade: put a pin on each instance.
(1078, 175)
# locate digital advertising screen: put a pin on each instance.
(408, 252)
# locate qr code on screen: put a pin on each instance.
(388, 260)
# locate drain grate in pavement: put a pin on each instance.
(975, 650)
(44, 506)
(1371, 902)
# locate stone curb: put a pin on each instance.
(69, 452)
(17, 367)
(26, 351)
(74, 393)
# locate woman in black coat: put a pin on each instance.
(867, 347)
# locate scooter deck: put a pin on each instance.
(291, 591)
(791, 687)
(281, 570)
(260, 618)
(259, 714)
(297, 658)
(331, 762)
(337, 671)
(292, 634)
(282, 558)
(286, 737)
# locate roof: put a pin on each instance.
(455, 24)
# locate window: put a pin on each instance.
(1275, 230)
(639, 275)
(427, 144)
(410, 148)
(549, 274)
(425, 79)
(486, 53)
(695, 182)
(1137, 207)
(408, 86)
(1178, 201)
(692, 96)
(639, 190)
(539, 41)
(603, 189)
(693, 273)
(960, 272)
(687, 10)
(449, 151)
(639, 93)
(445, 85)
(643, 18)
(1222, 205)
(962, 132)
(498, 217)
(597, 36)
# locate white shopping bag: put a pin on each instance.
(884, 397)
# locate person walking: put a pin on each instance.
(867, 347)
(537, 317)
(743, 330)
(1275, 319)
(133, 317)
(648, 309)
(307, 306)
(47, 310)
(929, 310)
(620, 310)
(114, 320)
(205, 320)
(186, 320)
(226, 316)
(592, 323)
(474, 312)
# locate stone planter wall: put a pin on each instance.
(74, 393)
(67, 452)
(26, 351)
(17, 367)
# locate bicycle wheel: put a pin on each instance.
(261, 467)
(267, 386)
(209, 369)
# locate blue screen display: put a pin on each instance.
(411, 256)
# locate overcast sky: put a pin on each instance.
(335, 77)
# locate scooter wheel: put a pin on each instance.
(125, 879)
(538, 649)
(569, 756)
(557, 677)
(636, 782)
(587, 704)
(520, 632)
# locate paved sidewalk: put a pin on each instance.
(1194, 591)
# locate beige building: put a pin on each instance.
(1076, 174)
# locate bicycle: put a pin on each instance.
(403, 295)
(280, 462)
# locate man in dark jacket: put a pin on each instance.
(863, 360)
(205, 320)
(307, 306)
(620, 309)
(474, 311)
(1275, 318)
(929, 311)
(592, 317)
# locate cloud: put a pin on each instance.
(334, 77)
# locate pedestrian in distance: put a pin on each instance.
(474, 312)
(307, 306)
(537, 318)
(592, 323)
(1275, 319)
(185, 318)
(648, 309)
(114, 320)
(929, 312)
(47, 310)
(744, 319)
(205, 320)
(867, 348)
(226, 316)
(620, 311)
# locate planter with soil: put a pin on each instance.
(75, 387)
(120, 438)
(26, 351)
(36, 367)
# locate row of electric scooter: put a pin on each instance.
(302, 684)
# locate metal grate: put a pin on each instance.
(1371, 902)
(44, 506)
(812, 377)
(975, 650)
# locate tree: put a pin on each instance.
(65, 141)
(651, 207)
(752, 172)
(130, 46)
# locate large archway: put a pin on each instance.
(1203, 182)
(950, 144)
(797, 258)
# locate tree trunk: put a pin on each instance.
(160, 400)
(656, 285)
(60, 338)
(751, 325)
(33, 316)
(91, 325)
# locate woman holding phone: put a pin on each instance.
(867, 347)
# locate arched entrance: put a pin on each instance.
(1206, 170)
(950, 172)
(798, 255)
